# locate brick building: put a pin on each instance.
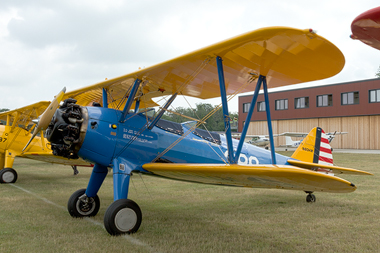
(352, 107)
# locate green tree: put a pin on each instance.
(378, 73)
(4, 109)
(214, 123)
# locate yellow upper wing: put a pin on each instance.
(21, 117)
(257, 176)
(285, 55)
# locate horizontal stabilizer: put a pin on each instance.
(255, 176)
(334, 169)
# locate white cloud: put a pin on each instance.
(45, 45)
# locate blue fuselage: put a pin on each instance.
(107, 138)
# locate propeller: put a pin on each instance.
(43, 121)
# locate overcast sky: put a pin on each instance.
(45, 45)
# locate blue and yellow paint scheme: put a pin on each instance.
(98, 124)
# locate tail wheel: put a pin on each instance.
(8, 176)
(311, 198)
(79, 205)
(122, 216)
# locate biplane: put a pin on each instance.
(16, 129)
(289, 142)
(257, 140)
(366, 27)
(116, 131)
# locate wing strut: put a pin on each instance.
(223, 95)
(248, 119)
(131, 97)
(269, 120)
(137, 105)
(105, 99)
(261, 81)
(159, 115)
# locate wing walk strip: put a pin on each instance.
(131, 239)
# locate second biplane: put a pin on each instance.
(16, 129)
(117, 133)
(366, 26)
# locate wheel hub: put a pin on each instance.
(8, 177)
(125, 219)
(85, 205)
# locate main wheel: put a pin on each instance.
(79, 205)
(8, 176)
(122, 216)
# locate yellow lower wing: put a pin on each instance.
(50, 158)
(258, 176)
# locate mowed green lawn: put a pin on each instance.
(187, 217)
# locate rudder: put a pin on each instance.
(315, 148)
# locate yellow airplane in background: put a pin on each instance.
(22, 129)
(15, 131)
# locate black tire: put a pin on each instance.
(78, 208)
(8, 176)
(311, 198)
(122, 217)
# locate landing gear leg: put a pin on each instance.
(310, 197)
(7, 174)
(76, 171)
(85, 202)
(123, 216)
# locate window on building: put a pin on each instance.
(261, 106)
(281, 104)
(350, 98)
(324, 100)
(301, 102)
(246, 107)
(374, 96)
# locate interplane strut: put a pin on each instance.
(261, 81)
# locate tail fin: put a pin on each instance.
(315, 148)
(289, 142)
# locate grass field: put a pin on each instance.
(186, 217)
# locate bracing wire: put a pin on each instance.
(146, 187)
(216, 108)
(199, 122)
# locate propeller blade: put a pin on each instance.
(45, 118)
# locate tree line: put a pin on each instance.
(214, 123)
